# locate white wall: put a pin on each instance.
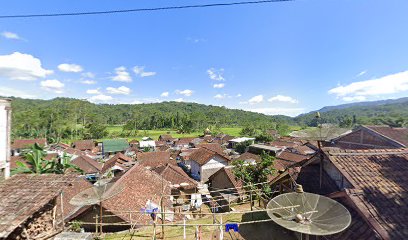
(212, 166)
(5, 117)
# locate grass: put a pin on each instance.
(154, 134)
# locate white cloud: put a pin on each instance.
(217, 75)
(238, 95)
(93, 91)
(101, 98)
(361, 73)
(67, 67)
(88, 75)
(278, 111)
(139, 70)
(281, 98)
(179, 100)
(10, 35)
(256, 99)
(121, 75)
(10, 92)
(219, 85)
(52, 85)
(120, 90)
(354, 99)
(20, 66)
(186, 92)
(164, 94)
(89, 82)
(389, 84)
(220, 96)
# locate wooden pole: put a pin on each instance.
(162, 209)
(184, 229)
(100, 215)
(62, 211)
(250, 202)
(96, 224)
(221, 230)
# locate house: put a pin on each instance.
(84, 145)
(167, 138)
(234, 142)
(183, 143)
(154, 159)
(259, 148)
(369, 137)
(118, 163)
(113, 146)
(22, 144)
(249, 158)
(88, 165)
(141, 187)
(225, 178)
(177, 177)
(30, 204)
(206, 160)
(373, 186)
(148, 144)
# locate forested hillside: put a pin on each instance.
(73, 118)
(388, 112)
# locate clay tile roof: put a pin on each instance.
(228, 171)
(379, 186)
(154, 159)
(184, 141)
(84, 145)
(87, 164)
(166, 137)
(215, 147)
(24, 195)
(120, 160)
(27, 143)
(283, 144)
(399, 135)
(248, 156)
(293, 157)
(139, 185)
(175, 175)
(203, 154)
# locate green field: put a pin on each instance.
(154, 134)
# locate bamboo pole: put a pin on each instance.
(184, 229)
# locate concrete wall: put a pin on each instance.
(208, 169)
(335, 175)
(5, 135)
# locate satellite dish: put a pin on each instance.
(96, 194)
(308, 213)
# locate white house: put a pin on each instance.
(147, 144)
(205, 162)
(233, 142)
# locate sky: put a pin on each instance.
(277, 58)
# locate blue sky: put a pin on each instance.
(279, 58)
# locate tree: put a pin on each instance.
(252, 174)
(36, 164)
(241, 147)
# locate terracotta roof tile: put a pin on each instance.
(27, 143)
(203, 154)
(84, 145)
(397, 134)
(139, 185)
(154, 159)
(175, 175)
(87, 164)
(120, 160)
(25, 194)
(380, 182)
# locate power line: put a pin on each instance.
(140, 9)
